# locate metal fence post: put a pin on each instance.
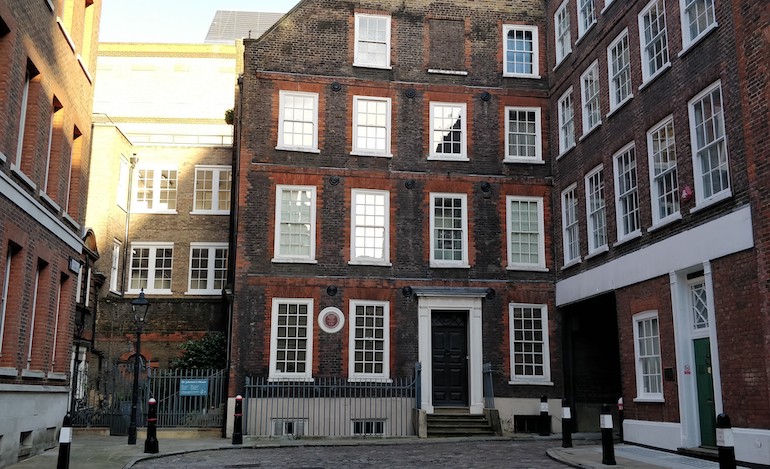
(418, 384)
(489, 390)
(566, 424)
(545, 419)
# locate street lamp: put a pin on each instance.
(139, 306)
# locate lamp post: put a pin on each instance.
(139, 306)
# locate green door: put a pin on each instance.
(705, 384)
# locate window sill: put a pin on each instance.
(620, 105)
(527, 382)
(210, 212)
(8, 372)
(53, 376)
(628, 237)
(50, 5)
(372, 263)
(565, 152)
(155, 212)
(434, 265)
(32, 374)
(71, 221)
(527, 268)
(66, 34)
(590, 131)
(84, 67)
(300, 149)
(598, 251)
(697, 40)
(461, 158)
(381, 67)
(658, 224)
(607, 6)
(203, 292)
(447, 72)
(583, 35)
(49, 201)
(563, 59)
(292, 260)
(23, 177)
(649, 400)
(149, 292)
(521, 75)
(572, 263)
(374, 379)
(652, 78)
(376, 155)
(516, 160)
(3, 158)
(702, 204)
(289, 379)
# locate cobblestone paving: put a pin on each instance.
(449, 455)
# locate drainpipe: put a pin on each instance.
(133, 161)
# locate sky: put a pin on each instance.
(164, 21)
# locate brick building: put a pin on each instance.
(160, 195)
(47, 63)
(659, 123)
(394, 202)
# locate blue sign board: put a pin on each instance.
(194, 387)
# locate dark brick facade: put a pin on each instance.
(324, 66)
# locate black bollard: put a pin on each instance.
(238, 421)
(566, 424)
(620, 418)
(151, 443)
(545, 419)
(725, 443)
(608, 450)
(65, 441)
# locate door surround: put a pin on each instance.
(451, 299)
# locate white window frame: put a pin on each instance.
(621, 211)
(5, 288)
(619, 79)
(23, 118)
(363, 376)
(654, 152)
(151, 267)
(586, 11)
(359, 125)
(441, 263)
(596, 213)
(277, 255)
(642, 393)
(463, 155)
(276, 375)
(535, 52)
(545, 378)
(157, 172)
(124, 175)
(720, 142)
(591, 91)
(369, 224)
(357, 54)
(685, 6)
(217, 172)
(562, 32)
(513, 265)
(538, 158)
(117, 248)
(647, 57)
(570, 222)
(210, 270)
(282, 98)
(566, 113)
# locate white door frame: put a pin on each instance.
(445, 299)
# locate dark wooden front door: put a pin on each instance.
(705, 385)
(450, 358)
